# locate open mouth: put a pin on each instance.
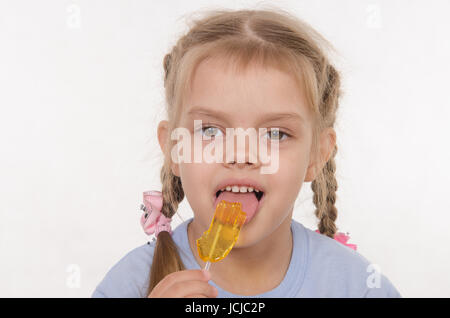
(250, 198)
(258, 195)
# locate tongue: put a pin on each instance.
(248, 200)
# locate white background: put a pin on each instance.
(81, 95)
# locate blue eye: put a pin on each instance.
(276, 133)
(211, 131)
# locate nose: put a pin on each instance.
(239, 165)
(243, 159)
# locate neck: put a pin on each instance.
(253, 269)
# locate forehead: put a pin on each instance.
(243, 95)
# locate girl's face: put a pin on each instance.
(258, 98)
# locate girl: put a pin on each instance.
(249, 69)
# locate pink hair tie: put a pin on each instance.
(152, 220)
(342, 238)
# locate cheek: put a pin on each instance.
(292, 162)
(193, 175)
(197, 180)
(291, 173)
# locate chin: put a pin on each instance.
(249, 235)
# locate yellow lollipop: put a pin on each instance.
(215, 244)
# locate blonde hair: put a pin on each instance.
(243, 37)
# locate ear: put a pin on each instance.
(327, 142)
(163, 131)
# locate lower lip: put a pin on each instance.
(251, 216)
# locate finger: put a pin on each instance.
(195, 296)
(189, 288)
(181, 276)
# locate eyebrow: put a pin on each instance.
(264, 118)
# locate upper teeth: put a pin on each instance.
(235, 188)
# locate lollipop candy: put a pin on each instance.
(215, 244)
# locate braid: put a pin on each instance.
(324, 188)
(166, 259)
(172, 192)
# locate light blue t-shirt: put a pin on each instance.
(319, 267)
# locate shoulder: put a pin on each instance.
(129, 277)
(342, 271)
